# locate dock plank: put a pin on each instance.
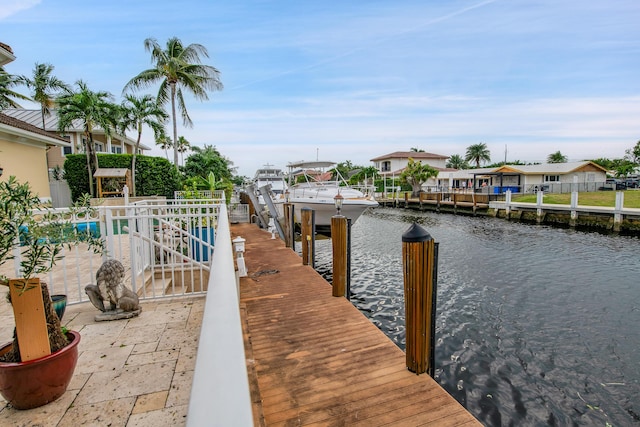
(314, 359)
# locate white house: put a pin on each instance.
(394, 163)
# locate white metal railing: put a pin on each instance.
(200, 194)
(220, 390)
(165, 247)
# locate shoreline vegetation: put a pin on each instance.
(596, 198)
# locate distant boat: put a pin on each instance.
(270, 175)
(317, 191)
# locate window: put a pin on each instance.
(552, 178)
(386, 167)
(99, 147)
(116, 149)
(66, 151)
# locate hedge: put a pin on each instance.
(155, 176)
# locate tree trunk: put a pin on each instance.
(175, 126)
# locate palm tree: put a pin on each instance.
(556, 157)
(478, 153)
(7, 96)
(42, 84)
(135, 113)
(183, 146)
(93, 109)
(177, 67)
(416, 150)
(164, 142)
(457, 162)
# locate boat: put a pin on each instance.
(270, 175)
(316, 190)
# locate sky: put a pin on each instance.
(353, 80)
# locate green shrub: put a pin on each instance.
(155, 176)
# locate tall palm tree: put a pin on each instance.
(183, 147)
(164, 142)
(93, 109)
(43, 86)
(136, 112)
(7, 95)
(177, 67)
(478, 153)
(557, 157)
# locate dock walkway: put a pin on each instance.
(314, 359)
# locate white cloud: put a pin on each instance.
(11, 7)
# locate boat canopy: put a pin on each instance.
(312, 165)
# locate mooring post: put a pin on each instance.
(306, 237)
(339, 246)
(419, 267)
(286, 210)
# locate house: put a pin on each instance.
(391, 165)
(549, 177)
(23, 153)
(394, 163)
(116, 144)
(6, 54)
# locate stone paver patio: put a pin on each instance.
(130, 372)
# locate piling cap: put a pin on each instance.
(415, 233)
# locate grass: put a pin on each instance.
(596, 198)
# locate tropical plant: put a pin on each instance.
(478, 153)
(38, 236)
(633, 154)
(7, 95)
(457, 162)
(416, 150)
(136, 112)
(368, 174)
(44, 86)
(416, 174)
(206, 160)
(93, 109)
(183, 147)
(177, 67)
(164, 142)
(557, 157)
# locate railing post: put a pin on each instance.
(419, 266)
(339, 243)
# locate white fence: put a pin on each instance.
(165, 247)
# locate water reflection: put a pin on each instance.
(535, 325)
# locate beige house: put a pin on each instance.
(116, 144)
(548, 177)
(23, 153)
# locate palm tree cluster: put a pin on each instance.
(177, 69)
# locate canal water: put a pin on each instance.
(535, 325)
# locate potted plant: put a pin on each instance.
(36, 367)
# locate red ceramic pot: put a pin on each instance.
(27, 385)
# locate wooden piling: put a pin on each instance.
(419, 271)
(339, 245)
(287, 211)
(306, 227)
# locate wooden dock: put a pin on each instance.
(314, 359)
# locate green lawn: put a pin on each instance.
(597, 198)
